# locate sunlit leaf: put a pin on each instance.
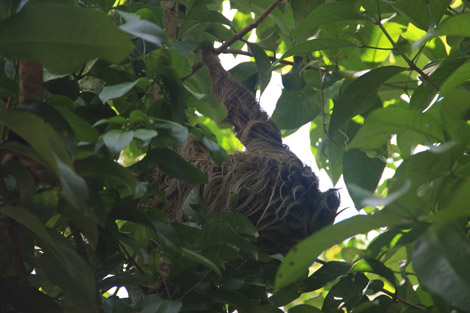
(330, 12)
(360, 95)
(301, 256)
(382, 123)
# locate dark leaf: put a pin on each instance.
(60, 32)
(440, 262)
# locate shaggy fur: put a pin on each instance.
(275, 190)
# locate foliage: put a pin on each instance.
(385, 85)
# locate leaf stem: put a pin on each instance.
(411, 64)
(404, 301)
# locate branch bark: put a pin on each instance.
(239, 35)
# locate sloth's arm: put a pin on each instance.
(253, 126)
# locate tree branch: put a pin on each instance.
(273, 59)
(248, 28)
(238, 35)
(411, 64)
(404, 301)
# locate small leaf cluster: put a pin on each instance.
(383, 84)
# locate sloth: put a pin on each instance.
(275, 190)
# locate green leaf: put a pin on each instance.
(38, 134)
(82, 129)
(376, 267)
(382, 123)
(124, 279)
(440, 260)
(263, 64)
(145, 134)
(154, 304)
(325, 275)
(116, 91)
(330, 12)
(27, 186)
(347, 293)
(117, 140)
(203, 16)
(361, 171)
(30, 221)
(304, 308)
(14, 295)
(360, 95)
(74, 188)
(301, 256)
(366, 198)
(174, 165)
(295, 108)
(46, 142)
(99, 167)
(456, 209)
(455, 79)
(72, 274)
(239, 223)
(56, 34)
(415, 11)
(143, 29)
(423, 96)
(454, 109)
(457, 25)
(323, 43)
(438, 8)
(198, 258)
(24, 150)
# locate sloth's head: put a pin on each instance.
(276, 192)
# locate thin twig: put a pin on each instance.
(248, 28)
(377, 48)
(273, 59)
(194, 286)
(237, 36)
(404, 301)
(411, 64)
(131, 259)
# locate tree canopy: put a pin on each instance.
(94, 94)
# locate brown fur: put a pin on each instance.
(275, 190)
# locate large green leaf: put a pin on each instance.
(263, 64)
(330, 12)
(382, 123)
(457, 25)
(361, 171)
(116, 91)
(325, 275)
(415, 11)
(14, 295)
(301, 256)
(360, 95)
(440, 260)
(143, 29)
(458, 77)
(100, 167)
(423, 96)
(62, 37)
(294, 108)
(45, 141)
(174, 165)
(323, 43)
(376, 267)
